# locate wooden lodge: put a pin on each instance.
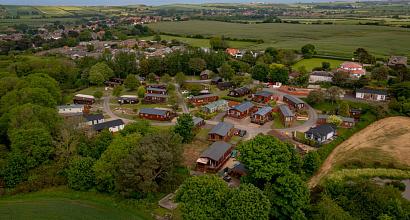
(127, 99)
(294, 102)
(156, 91)
(198, 122)
(223, 131)
(286, 115)
(84, 99)
(216, 80)
(242, 110)
(156, 114)
(113, 82)
(262, 116)
(346, 121)
(214, 157)
(224, 85)
(203, 99)
(355, 113)
(157, 86)
(204, 75)
(239, 92)
(263, 97)
(94, 119)
(112, 126)
(220, 105)
(154, 98)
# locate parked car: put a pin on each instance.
(227, 178)
(185, 92)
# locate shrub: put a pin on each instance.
(80, 173)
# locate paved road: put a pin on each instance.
(181, 101)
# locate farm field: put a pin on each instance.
(64, 205)
(338, 40)
(383, 143)
(203, 42)
(309, 64)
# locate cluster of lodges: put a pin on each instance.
(80, 109)
(155, 94)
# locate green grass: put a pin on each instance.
(368, 173)
(203, 42)
(63, 204)
(338, 40)
(309, 64)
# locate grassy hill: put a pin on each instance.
(339, 40)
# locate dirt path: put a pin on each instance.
(390, 135)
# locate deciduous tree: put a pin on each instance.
(184, 127)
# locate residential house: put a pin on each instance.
(156, 114)
(320, 76)
(262, 116)
(242, 110)
(112, 126)
(234, 52)
(220, 105)
(286, 115)
(397, 62)
(84, 99)
(263, 97)
(347, 122)
(70, 110)
(214, 157)
(204, 75)
(239, 92)
(216, 80)
(155, 98)
(223, 131)
(355, 70)
(151, 90)
(203, 99)
(94, 119)
(128, 99)
(113, 82)
(371, 94)
(198, 122)
(321, 133)
(224, 85)
(294, 102)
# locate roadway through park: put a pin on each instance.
(244, 124)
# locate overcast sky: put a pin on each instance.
(130, 2)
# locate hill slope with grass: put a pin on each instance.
(384, 143)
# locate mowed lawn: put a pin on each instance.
(39, 206)
(309, 64)
(338, 40)
(203, 42)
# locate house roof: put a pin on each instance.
(156, 89)
(216, 151)
(203, 96)
(216, 104)
(264, 93)
(241, 90)
(70, 106)
(264, 110)
(156, 95)
(205, 72)
(197, 120)
(350, 65)
(372, 91)
(397, 60)
(94, 117)
(154, 111)
(285, 110)
(294, 99)
(321, 73)
(222, 128)
(84, 96)
(321, 130)
(244, 106)
(107, 124)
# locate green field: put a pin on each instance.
(309, 64)
(338, 40)
(203, 42)
(65, 204)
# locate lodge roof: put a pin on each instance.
(154, 111)
(285, 110)
(108, 124)
(244, 106)
(294, 99)
(222, 129)
(216, 151)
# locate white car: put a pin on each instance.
(185, 92)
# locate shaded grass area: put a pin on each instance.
(61, 203)
(368, 173)
(337, 40)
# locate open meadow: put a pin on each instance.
(338, 40)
